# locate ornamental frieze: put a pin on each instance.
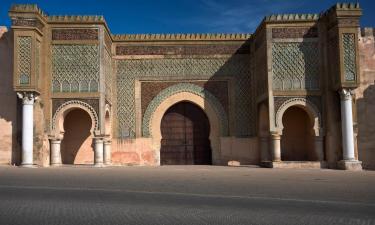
(23, 22)
(183, 50)
(289, 32)
(75, 34)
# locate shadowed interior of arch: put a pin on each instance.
(76, 146)
(297, 138)
(185, 133)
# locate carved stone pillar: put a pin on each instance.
(107, 152)
(55, 152)
(28, 99)
(275, 147)
(98, 152)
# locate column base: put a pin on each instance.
(28, 166)
(56, 164)
(353, 165)
(99, 165)
(294, 164)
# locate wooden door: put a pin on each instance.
(185, 132)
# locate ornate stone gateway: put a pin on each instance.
(185, 130)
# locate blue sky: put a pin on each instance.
(184, 16)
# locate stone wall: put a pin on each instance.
(365, 99)
(9, 146)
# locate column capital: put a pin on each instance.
(345, 94)
(28, 98)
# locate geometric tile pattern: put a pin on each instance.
(75, 68)
(295, 66)
(24, 59)
(236, 66)
(350, 68)
(107, 74)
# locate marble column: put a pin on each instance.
(28, 99)
(55, 152)
(107, 152)
(275, 147)
(347, 125)
(98, 152)
(319, 148)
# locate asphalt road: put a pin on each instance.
(185, 195)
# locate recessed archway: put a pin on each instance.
(76, 146)
(297, 142)
(185, 133)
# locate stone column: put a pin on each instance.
(275, 147)
(107, 152)
(347, 125)
(349, 161)
(319, 148)
(28, 99)
(55, 152)
(264, 153)
(98, 160)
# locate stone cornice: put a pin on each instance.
(291, 18)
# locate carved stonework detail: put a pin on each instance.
(91, 104)
(183, 50)
(306, 32)
(350, 66)
(24, 59)
(23, 22)
(178, 88)
(28, 98)
(75, 34)
(75, 68)
(107, 74)
(315, 100)
(151, 89)
(345, 94)
(236, 66)
(295, 66)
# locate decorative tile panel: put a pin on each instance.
(183, 50)
(294, 32)
(72, 64)
(75, 34)
(237, 66)
(24, 59)
(37, 61)
(107, 74)
(295, 66)
(350, 68)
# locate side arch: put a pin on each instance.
(64, 109)
(305, 104)
(208, 99)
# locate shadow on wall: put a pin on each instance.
(366, 127)
(233, 87)
(10, 131)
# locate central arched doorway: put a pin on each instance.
(185, 131)
(76, 146)
(297, 143)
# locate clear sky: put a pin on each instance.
(184, 16)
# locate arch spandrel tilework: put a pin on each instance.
(188, 68)
(75, 63)
(184, 87)
(295, 65)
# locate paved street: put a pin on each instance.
(185, 195)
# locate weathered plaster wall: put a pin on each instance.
(365, 100)
(9, 147)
